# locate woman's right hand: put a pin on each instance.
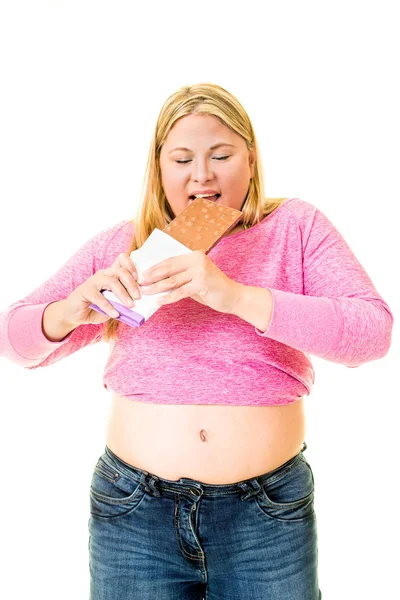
(120, 278)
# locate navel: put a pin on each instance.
(203, 435)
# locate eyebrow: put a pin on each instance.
(211, 147)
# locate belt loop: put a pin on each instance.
(150, 484)
(250, 489)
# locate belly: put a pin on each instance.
(213, 444)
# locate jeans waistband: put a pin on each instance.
(155, 484)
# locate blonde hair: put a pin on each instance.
(154, 210)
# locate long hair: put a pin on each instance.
(154, 209)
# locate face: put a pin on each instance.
(190, 165)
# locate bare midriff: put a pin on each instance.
(215, 444)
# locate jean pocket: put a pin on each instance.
(112, 494)
(289, 497)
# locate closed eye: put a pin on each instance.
(183, 162)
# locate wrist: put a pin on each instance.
(254, 305)
(54, 326)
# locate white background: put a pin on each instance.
(82, 86)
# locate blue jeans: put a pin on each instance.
(158, 539)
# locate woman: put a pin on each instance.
(203, 489)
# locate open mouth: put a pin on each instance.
(212, 198)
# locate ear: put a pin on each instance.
(252, 162)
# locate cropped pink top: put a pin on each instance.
(324, 304)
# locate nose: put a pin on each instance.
(202, 170)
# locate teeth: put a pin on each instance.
(204, 195)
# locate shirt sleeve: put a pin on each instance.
(341, 317)
(21, 334)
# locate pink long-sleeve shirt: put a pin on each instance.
(324, 304)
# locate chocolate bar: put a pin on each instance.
(202, 224)
(198, 227)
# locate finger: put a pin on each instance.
(104, 304)
(126, 262)
(127, 294)
(175, 295)
(164, 285)
(129, 282)
(167, 299)
(114, 284)
(121, 273)
(160, 271)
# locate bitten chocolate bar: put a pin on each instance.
(202, 224)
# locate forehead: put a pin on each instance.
(200, 128)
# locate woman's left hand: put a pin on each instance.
(192, 275)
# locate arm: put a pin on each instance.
(254, 305)
(54, 327)
(33, 332)
(341, 317)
